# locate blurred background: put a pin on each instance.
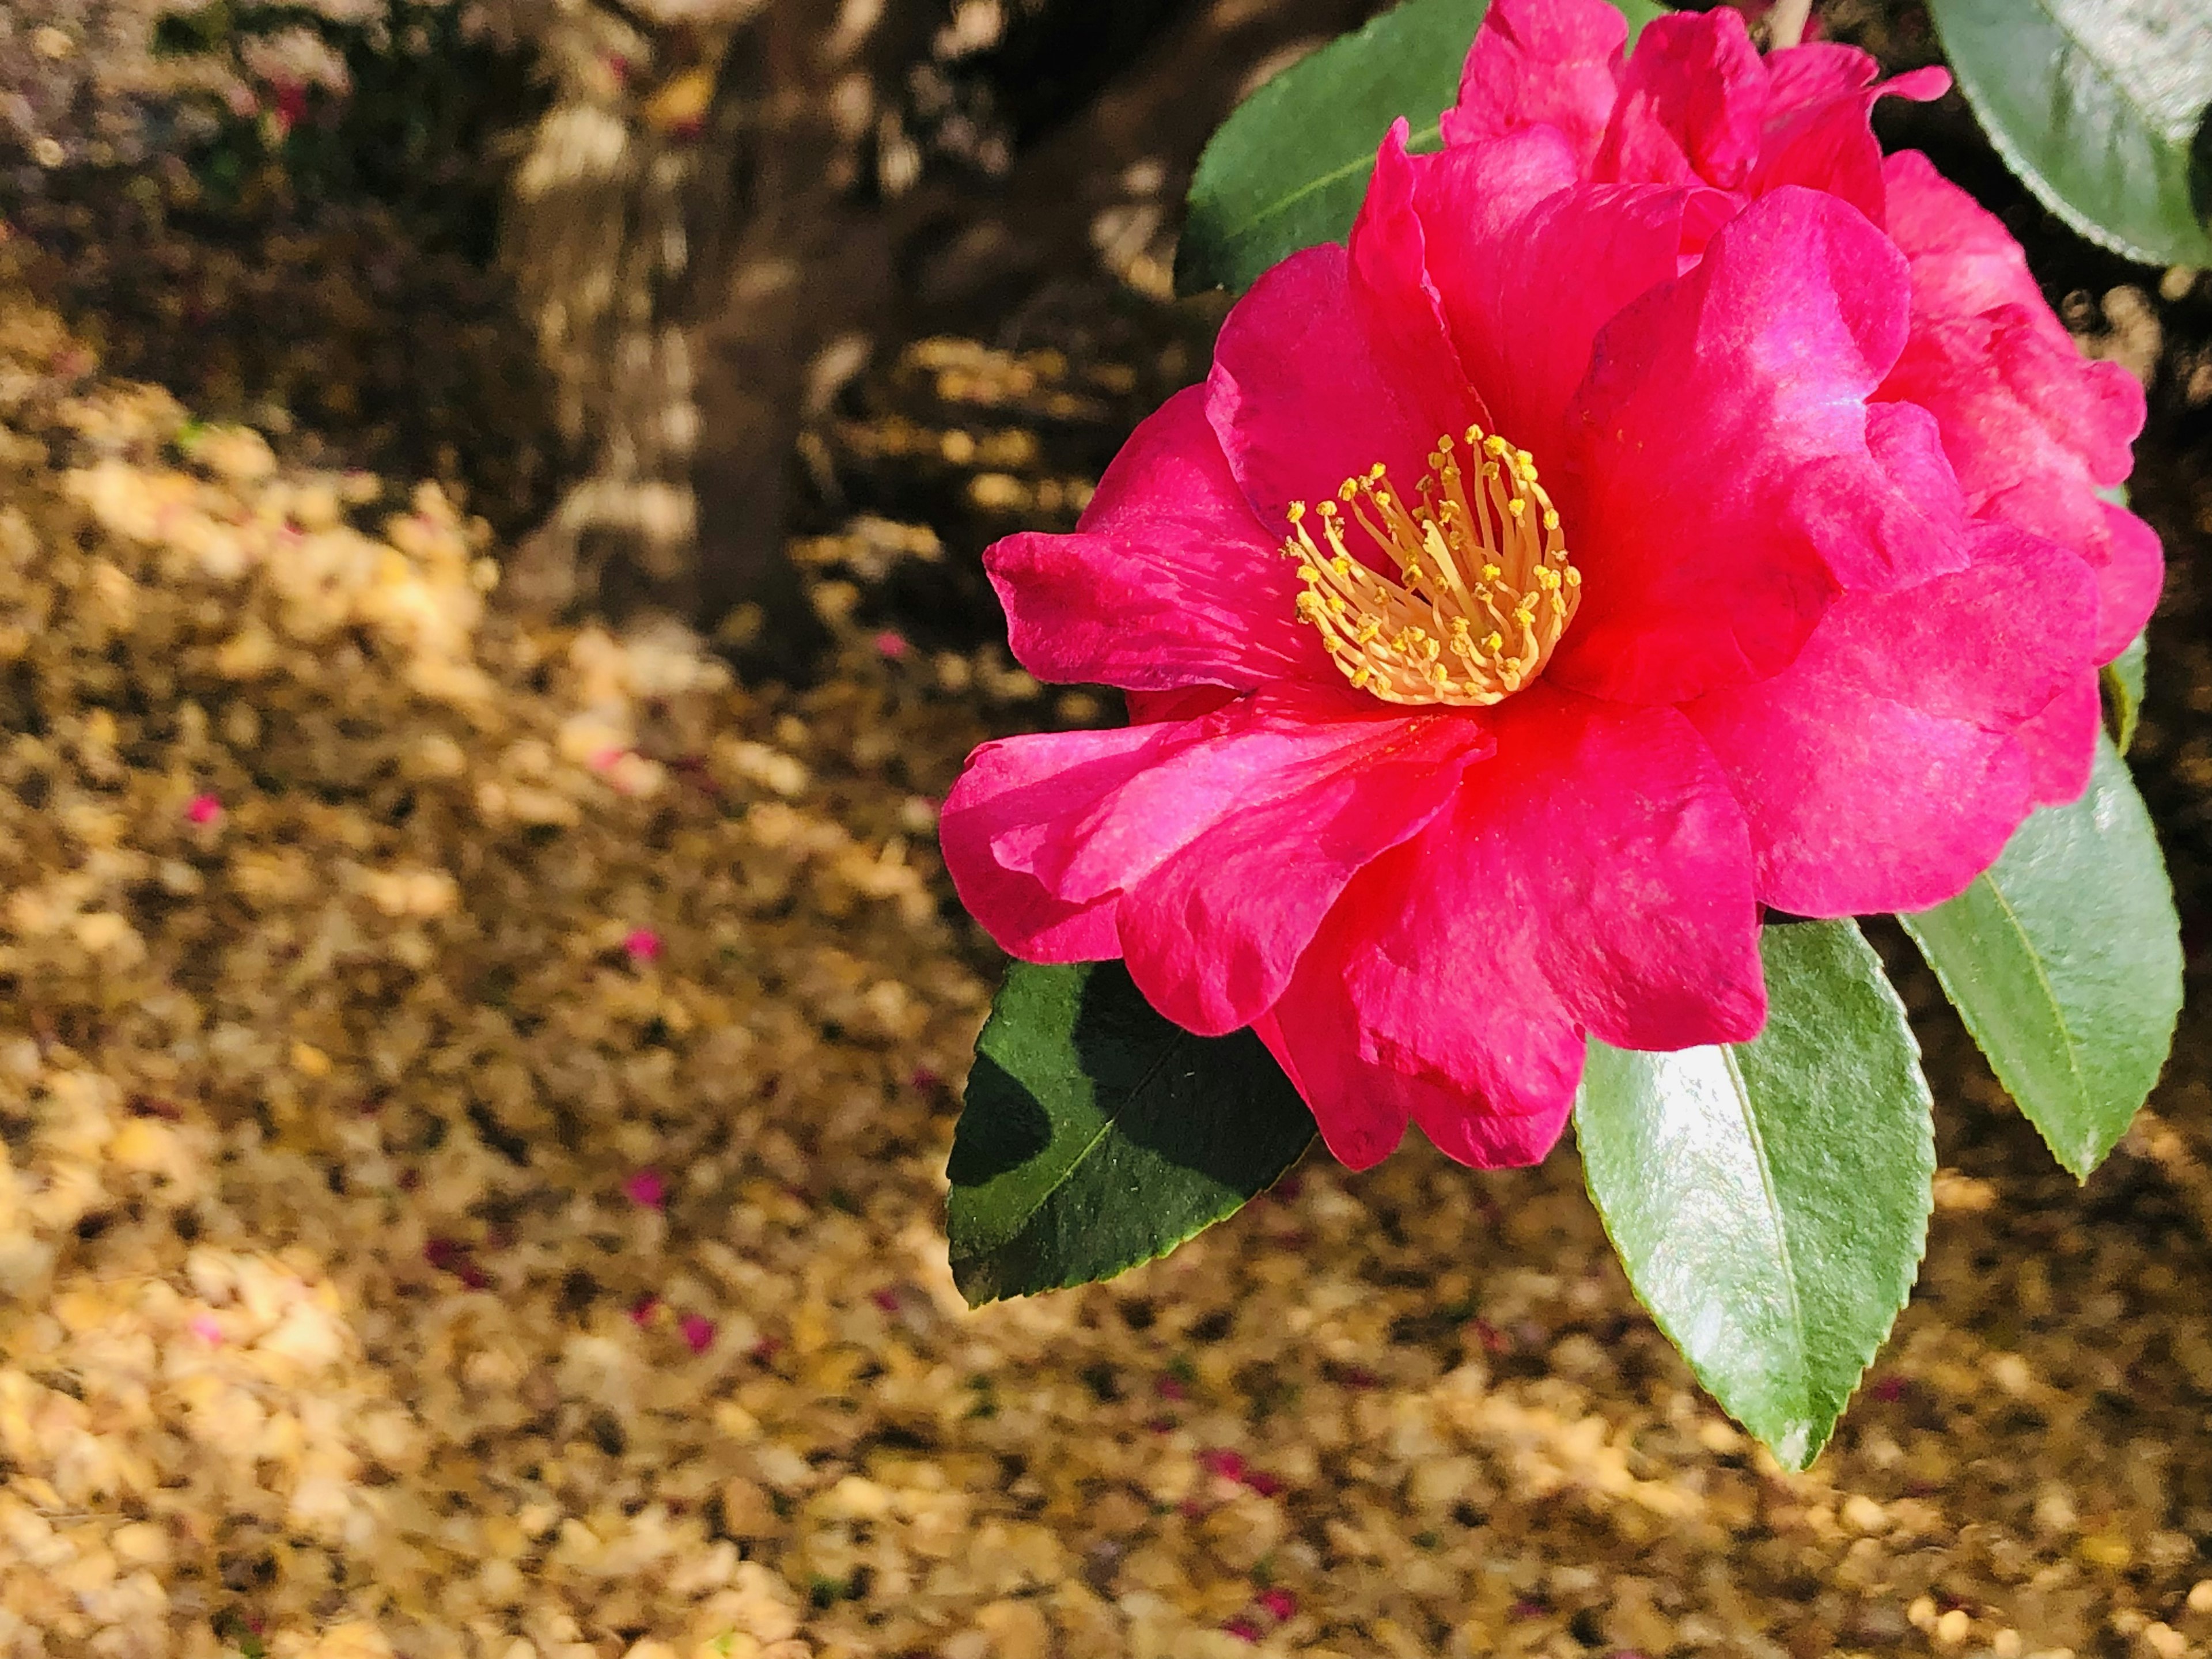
(490, 503)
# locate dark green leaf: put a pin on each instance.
(2064, 958)
(2093, 103)
(1097, 1135)
(2124, 690)
(1288, 167)
(1770, 1201)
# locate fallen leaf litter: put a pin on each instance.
(472, 1109)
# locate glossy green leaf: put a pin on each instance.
(1770, 1201)
(2124, 690)
(1097, 1135)
(2064, 959)
(2094, 104)
(1288, 168)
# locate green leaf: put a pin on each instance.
(2093, 103)
(2122, 679)
(1288, 168)
(2064, 959)
(1097, 1135)
(1770, 1201)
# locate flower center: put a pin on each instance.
(1483, 589)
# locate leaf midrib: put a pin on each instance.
(1113, 1118)
(1804, 1379)
(2067, 1041)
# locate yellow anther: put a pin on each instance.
(1412, 591)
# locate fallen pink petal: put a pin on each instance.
(698, 1332)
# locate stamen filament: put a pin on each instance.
(1483, 590)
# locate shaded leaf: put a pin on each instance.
(1097, 1135)
(1287, 169)
(1770, 1201)
(2094, 104)
(2122, 679)
(2064, 959)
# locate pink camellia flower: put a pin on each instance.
(1662, 508)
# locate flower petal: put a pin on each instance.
(1397, 304)
(1498, 241)
(1301, 398)
(1692, 101)
(1882, 769)
(1169, 581)
(1593, 875)
(2034, 428)
(2060, 743)
(1698, 575)
(1541, 63)
(1818, 133)
(1964, 261)
(1211, 934)
(1215, 844)
(1011, 792)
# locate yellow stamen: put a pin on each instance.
(1477, 554)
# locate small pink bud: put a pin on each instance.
(607, 759)
(204, 1328)
(698, 1332)
(891, 645)
(1171, 1387)
(646, 1188)
(1279, 1604)
(642, 946)
(642, 1313)
(203, 810)
(885, 1298)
